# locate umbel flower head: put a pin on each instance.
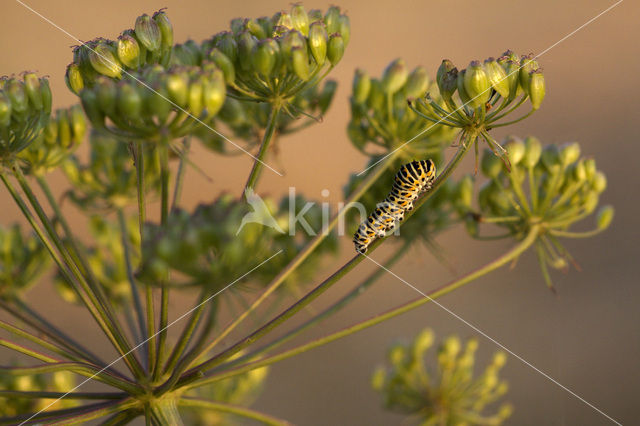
(150, 42)
(25, 105)
(479, 97)
(273, 59)
(548, 188)
(61, 136)
(448, 394)
(23, 259)
(380, 117)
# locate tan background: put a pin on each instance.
(587, 337)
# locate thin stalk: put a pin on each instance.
(60, 395)
(75, 415)
(568, 234)
(306, 251)
(434, 294)
(266, 140)
(121, 418)
(232, 409)
(177, 190)
(130, 276)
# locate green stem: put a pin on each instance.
(177, 190)
(447, 288)
(75, 415)
(306, 251)
(165, 412)
(266, 140)
(568, 234)
(232, 409)
(60, 395)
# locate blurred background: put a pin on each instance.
(587, 336)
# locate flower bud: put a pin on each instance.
(300, 19)
(599, 182)
(332, 19)
(533, 150)
(104, 61)
(536, 89)
(605, 217)
(129, 51)
(178, 88)
(447, 78)
(490, 165)
(417, 83)
(73, 78)
(166, 29)
(129, 101)
(516, 150)
(300, 63)
(477, 85)
(569, 153)
(335, 49)
(224, 63)
(213, 92)
(394, 76)
(265, 57)
(318, 42)
(228, 45)
(148, 33)
(5, 109)
(361, 86)
(32, 89)
(497, 77)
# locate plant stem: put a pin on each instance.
(266, 140)
(75, 415)
(233, 409)
(177, 190)
(59, 395)
(306, 251)
(434, 294)
(165, 412)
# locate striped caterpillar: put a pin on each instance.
(411, 180)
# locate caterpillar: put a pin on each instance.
(411, 180)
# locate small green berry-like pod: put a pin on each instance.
(23, 259)
(155, 102)
(61, 136)
(25, 105)
(448, 393)
(551, 188)
(380, 116)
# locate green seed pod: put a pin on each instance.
(237, 25)
(256, 29)
(599, 182)
(318, 42)
(213, 93)
(45, 94)
(490, 165)
(300, 63)
(447, 78)
(300, 19)
(178, 88)
(129, 51)
(19, 100)
(533, 150)
(265, 56)
(232, 112)
(332, 19)
(569, 153)
(129, 101)
(50, 132)
(579, 172)
(315, 15)
(5, 109)
(394, 76)
(228, 45)
(246, 45)
(376, 98)
(527, 66)
(345, 28)
(32, 89)
(417, 83)
(551, 158)
(224, 63)
(73, 78)
(90, 105)
(497, 77)
(106, 94)
(591, 202)
(361, 86)
(536, 88)
(64, 128)
(605, 217)
(477, 85)
(156, 103)
(283, 20)
(590, 168)
(516, 150)
(335, 49)
(512, 71)
(78, 123)
(462, 92)
(104, 61)
(148, 33)
(195, 98)
(166, 29)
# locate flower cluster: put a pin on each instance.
(22, 260)
(25, 105)
(380, 115)
(60, 137)
(562, 188)
(273, 59)
(448, 395)
(150, 42)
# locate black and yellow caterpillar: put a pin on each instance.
(411, 180)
